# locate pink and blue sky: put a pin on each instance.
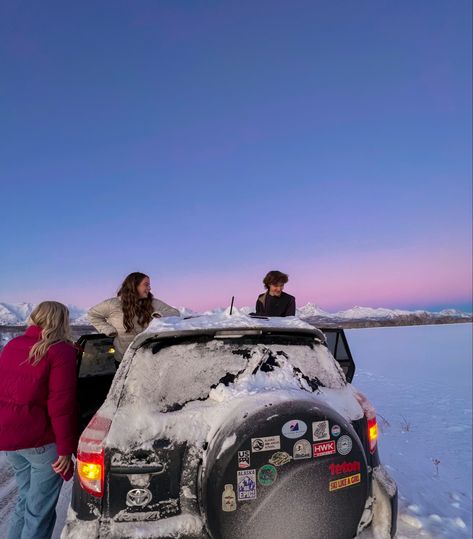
(205, 143)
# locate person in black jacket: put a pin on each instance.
(275, 302)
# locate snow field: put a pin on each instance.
(420, 380)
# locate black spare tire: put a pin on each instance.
(289, 470)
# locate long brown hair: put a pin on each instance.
(132, 304)
(53, 318)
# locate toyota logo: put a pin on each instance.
(138, 497)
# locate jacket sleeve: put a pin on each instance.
(62, 402)
(291, 308)
(259, 307)
(98, 316)
(163, 309)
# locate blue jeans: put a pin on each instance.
(39, 487)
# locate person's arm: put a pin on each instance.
(62, 403)
(163, 309)
(259, 307)
(291, 308)
(98, 316)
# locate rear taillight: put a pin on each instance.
(370, 414)
(91, 456)
(372, 434)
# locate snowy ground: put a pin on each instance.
(420, 380)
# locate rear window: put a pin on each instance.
(174, 375)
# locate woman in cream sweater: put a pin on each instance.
(129, 313)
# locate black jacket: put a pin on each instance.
(283, 305)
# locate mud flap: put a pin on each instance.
(384, 521)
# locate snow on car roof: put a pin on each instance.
(175, 325)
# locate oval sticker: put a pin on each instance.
(294, 428)
(344, 445)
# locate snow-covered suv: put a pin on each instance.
(230, 426)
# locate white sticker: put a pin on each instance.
(246, 485)
(294, 429)
(302, 450)
(243, 459)
(266, 443)
(320, 431)
(228, 499)
(344, 445)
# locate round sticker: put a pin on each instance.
(267, 475)
(336, 430)
(294, 428)
(344, 445)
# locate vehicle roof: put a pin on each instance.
(223, 324)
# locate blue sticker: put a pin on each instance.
(246, 485)
(336, 430)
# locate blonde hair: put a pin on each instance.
(53, 318)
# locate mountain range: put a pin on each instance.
(16, 314)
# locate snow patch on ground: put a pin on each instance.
(420, 380)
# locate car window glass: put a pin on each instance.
(183, 372)
(97, 358)
(315, 362)
(331, 339)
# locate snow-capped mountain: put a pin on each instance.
(311, 309)
(16, 314)
(369, 312)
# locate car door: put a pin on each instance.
(96, 369)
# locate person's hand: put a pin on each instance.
(62, 464)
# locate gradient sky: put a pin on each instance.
(207, 142)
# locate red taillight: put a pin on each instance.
(370, 414)
(90, 456)
(372, 434)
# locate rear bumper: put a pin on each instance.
(184, 526)
(381, 519)
(78, 529)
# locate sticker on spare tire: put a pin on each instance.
(344, 445)
(266, 443)
(280, 458)
(344, 482)
(243, 459)
(320, 431)
(302, 450)
(246, 485)
(267, 475)
(324, 448)
(294, 428)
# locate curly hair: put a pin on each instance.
(275, 277)
(132, 305)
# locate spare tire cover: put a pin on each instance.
(295, 470)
